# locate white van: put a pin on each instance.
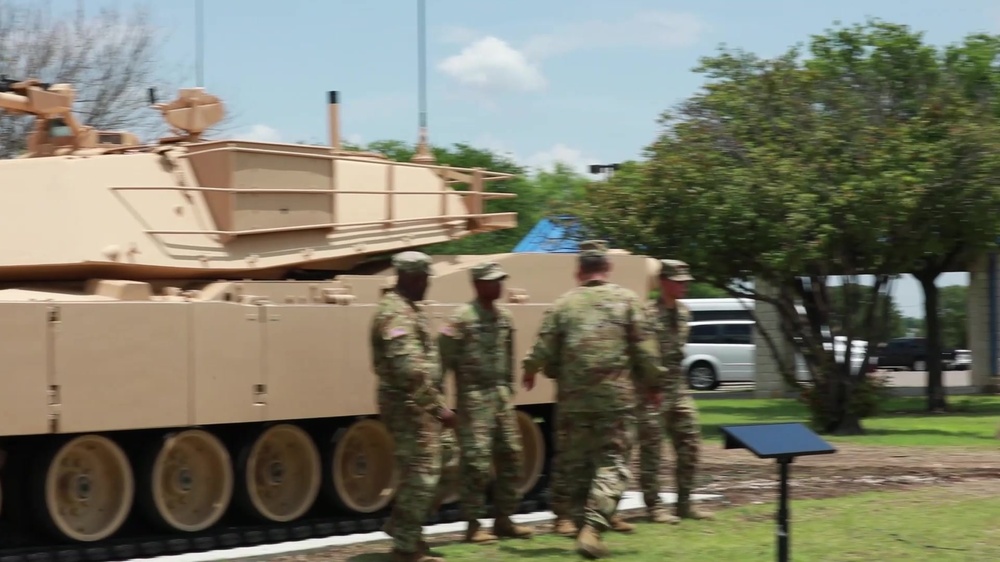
(723, 351)
(725, 309)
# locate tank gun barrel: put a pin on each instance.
(35, 98)
(7, 84)
(14, 103)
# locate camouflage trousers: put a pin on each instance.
(488, 436)
(559, 492)
(422, 446)
(679, 417)
(595, 463)
(450, 478)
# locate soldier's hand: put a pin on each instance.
(655, 399)
(528, 382)
(448, 418)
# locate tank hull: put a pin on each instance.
(229, 365)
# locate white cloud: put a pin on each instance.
(259, 132)
(546, 159)
(654, 29)
(490, 65)
(559, 153)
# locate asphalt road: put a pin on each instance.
(896, 379)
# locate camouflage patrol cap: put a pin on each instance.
(593, 249)
(489, 271)
(412, 262)
(675, 270)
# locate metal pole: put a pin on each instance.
(422, 62)
(783, 531)
(199, 38)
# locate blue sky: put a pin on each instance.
(581, 81)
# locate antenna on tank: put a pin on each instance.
(199, 42)
(423, 154)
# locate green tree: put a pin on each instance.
(953, 314)
(954, 213)
(840, 294)
(559, 189)
(912, 327)
(784, 173)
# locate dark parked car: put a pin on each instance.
(908, 354)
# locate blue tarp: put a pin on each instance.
(555, 235)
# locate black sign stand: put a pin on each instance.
(782, 442)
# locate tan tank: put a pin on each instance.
(185, 323)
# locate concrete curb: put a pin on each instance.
(630, 501)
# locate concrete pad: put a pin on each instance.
(630, 501)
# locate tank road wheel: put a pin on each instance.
(188, 481)
(84, 489)
(532, 452)
(279, 474)
(450, 471)
(362, 473)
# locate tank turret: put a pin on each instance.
(86, 204)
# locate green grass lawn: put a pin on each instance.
(972, 423)
(929, 524)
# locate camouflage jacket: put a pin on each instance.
(405, 356)
(670, 328)
(595, 333)
(477, 345)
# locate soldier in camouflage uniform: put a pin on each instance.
(477, 344)
(594, 333)
(411, 402)
(668, 319)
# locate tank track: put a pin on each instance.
(225, 536)
(23, 540)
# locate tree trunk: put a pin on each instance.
(830, 398)
(832, 410)
(847, 422)
(935, 377)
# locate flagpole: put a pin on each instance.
(423, 153)
(199, 42)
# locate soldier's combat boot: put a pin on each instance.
(475, 533)
(589, 543)
(619, 525)
(685, 510)
(399, 556)
(659, 514)
(564, 527)
(504, 527)
(422, 546)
